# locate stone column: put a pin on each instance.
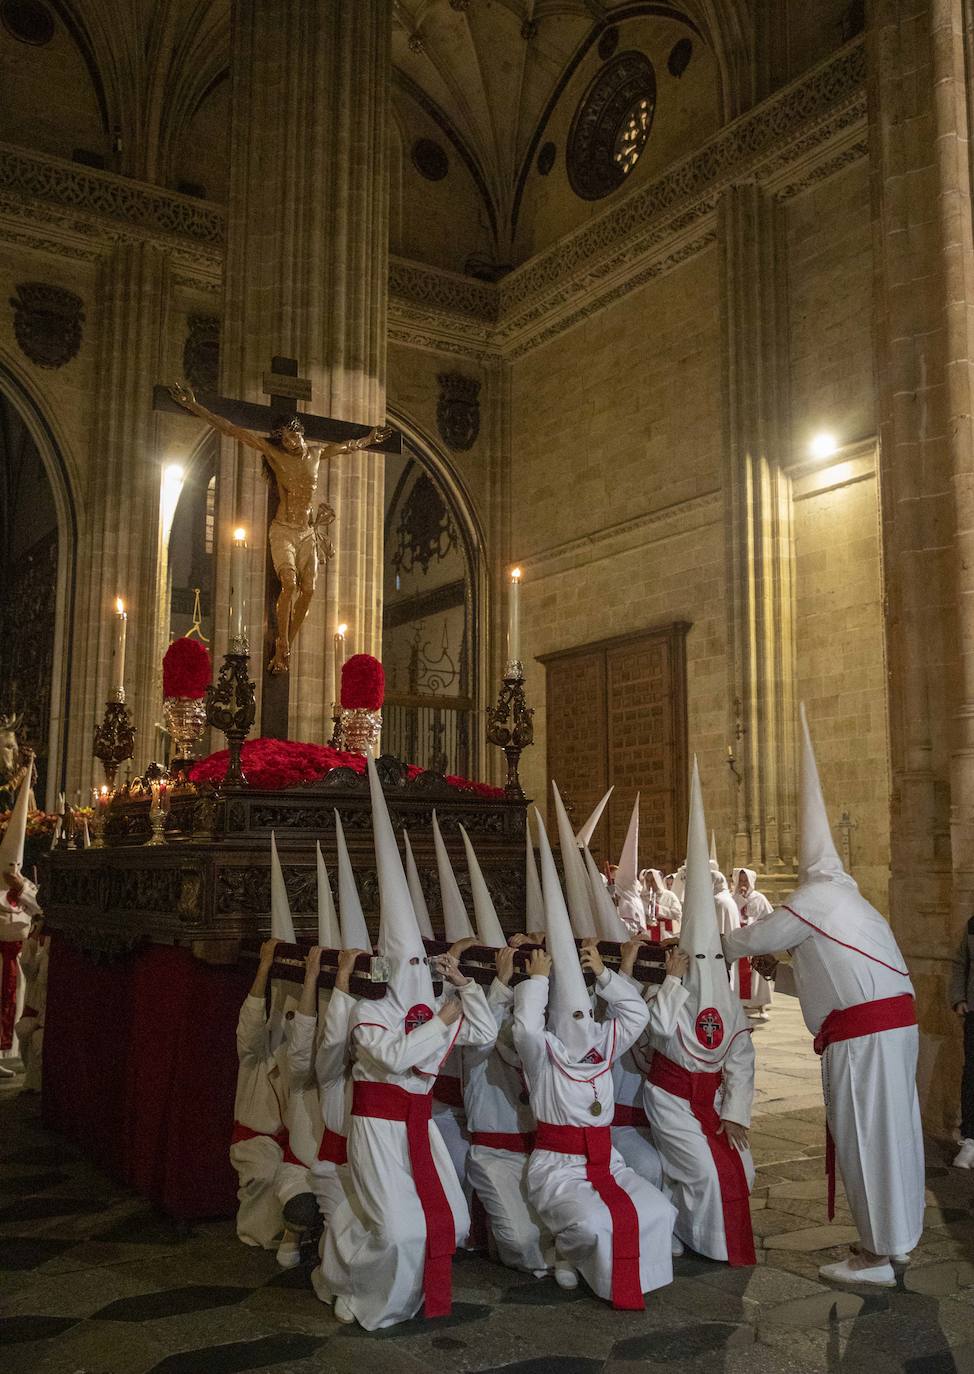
(307, 272)
(924, 275)
(119, 551)
(761, 653)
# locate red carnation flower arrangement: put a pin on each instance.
(186, 669)
(363, 683)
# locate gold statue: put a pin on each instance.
(296, 536)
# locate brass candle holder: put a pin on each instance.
(157, 815)
(99, 820)
(231, 706)
(114, 737)
(510, 725)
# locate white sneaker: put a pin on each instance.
(676, 1247)
(846, 1271)
(343, 1313)
(964, 1159)
(289, 1254)
(6, 1073)
(565, 1276)
(762, 1016)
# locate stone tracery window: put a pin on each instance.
(611, 126)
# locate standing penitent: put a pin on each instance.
(858, 1002)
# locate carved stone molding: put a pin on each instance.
(638, 533)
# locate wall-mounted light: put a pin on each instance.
(823, 445)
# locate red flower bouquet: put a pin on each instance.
(363, 683)
(186, 669)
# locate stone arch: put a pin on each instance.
(32, 411)
(431, 457)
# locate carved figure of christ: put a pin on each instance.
(297, 527)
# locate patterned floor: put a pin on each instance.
(95, 1282)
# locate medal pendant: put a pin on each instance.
(596, 1108)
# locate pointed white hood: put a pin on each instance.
(584, 836)
(715, 1013)
(534, 902)
(354, 930)
(610, 925)
(282, 926)
(827, 896)
(751, 879)
(328, 935)
(12, 844)
(489, 931)
(410, 983)
(628, 890)
(713, 852)
(416, 892)
(284, 994)
(576, 883)
(456, 922)
(570, 1014)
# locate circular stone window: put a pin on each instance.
(430, 160)
(611, 126)
(28, 20)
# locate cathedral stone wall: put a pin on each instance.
(616, 512)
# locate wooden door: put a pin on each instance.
(616, 715)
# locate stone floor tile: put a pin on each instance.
(810, 1238)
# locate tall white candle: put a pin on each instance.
(119, 624)
(238, 588)
(514, 623)
(339, 660)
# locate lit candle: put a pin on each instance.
(339, 660)
(119, 624)
(238, 589)
(514, 624)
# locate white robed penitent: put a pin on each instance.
(259, 1141)
(844, 955)
(702, 1073)
(499, 1117)
(608, 1223)
(387, 1252)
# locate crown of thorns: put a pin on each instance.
(283, 422)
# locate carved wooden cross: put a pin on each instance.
(285, 389)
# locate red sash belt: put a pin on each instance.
(448, 1090)
(630, 1116)
(333, 1147)
(241, 1132)
(699, 1090)
(595, 1143)
(386, 1102)
(744, 975)
(851, 1023)
(9, 949)
(519, 1142)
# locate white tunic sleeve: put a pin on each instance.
(781, 930)
(530, 1001)
(478, 1026)
(299, 1034)
(251, 1027)
(664, 1008)
(738, 1084)
(627, 1008)
(333, 1045)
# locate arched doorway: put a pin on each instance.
(191, 557)
(432, 615)
(38, 537)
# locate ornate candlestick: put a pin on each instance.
(510, 724)
(157, 815)
(336, 722)
(115, 736)
(231, 705)
(100, 817)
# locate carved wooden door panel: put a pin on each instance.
(576, 724)
(616, 715)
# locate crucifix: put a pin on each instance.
(292, 446)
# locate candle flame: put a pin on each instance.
(240, 535)
(515, 574)
(104, 789)
(342, 629)
(119, 605)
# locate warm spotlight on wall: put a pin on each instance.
(823, 445)
(172, 486)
